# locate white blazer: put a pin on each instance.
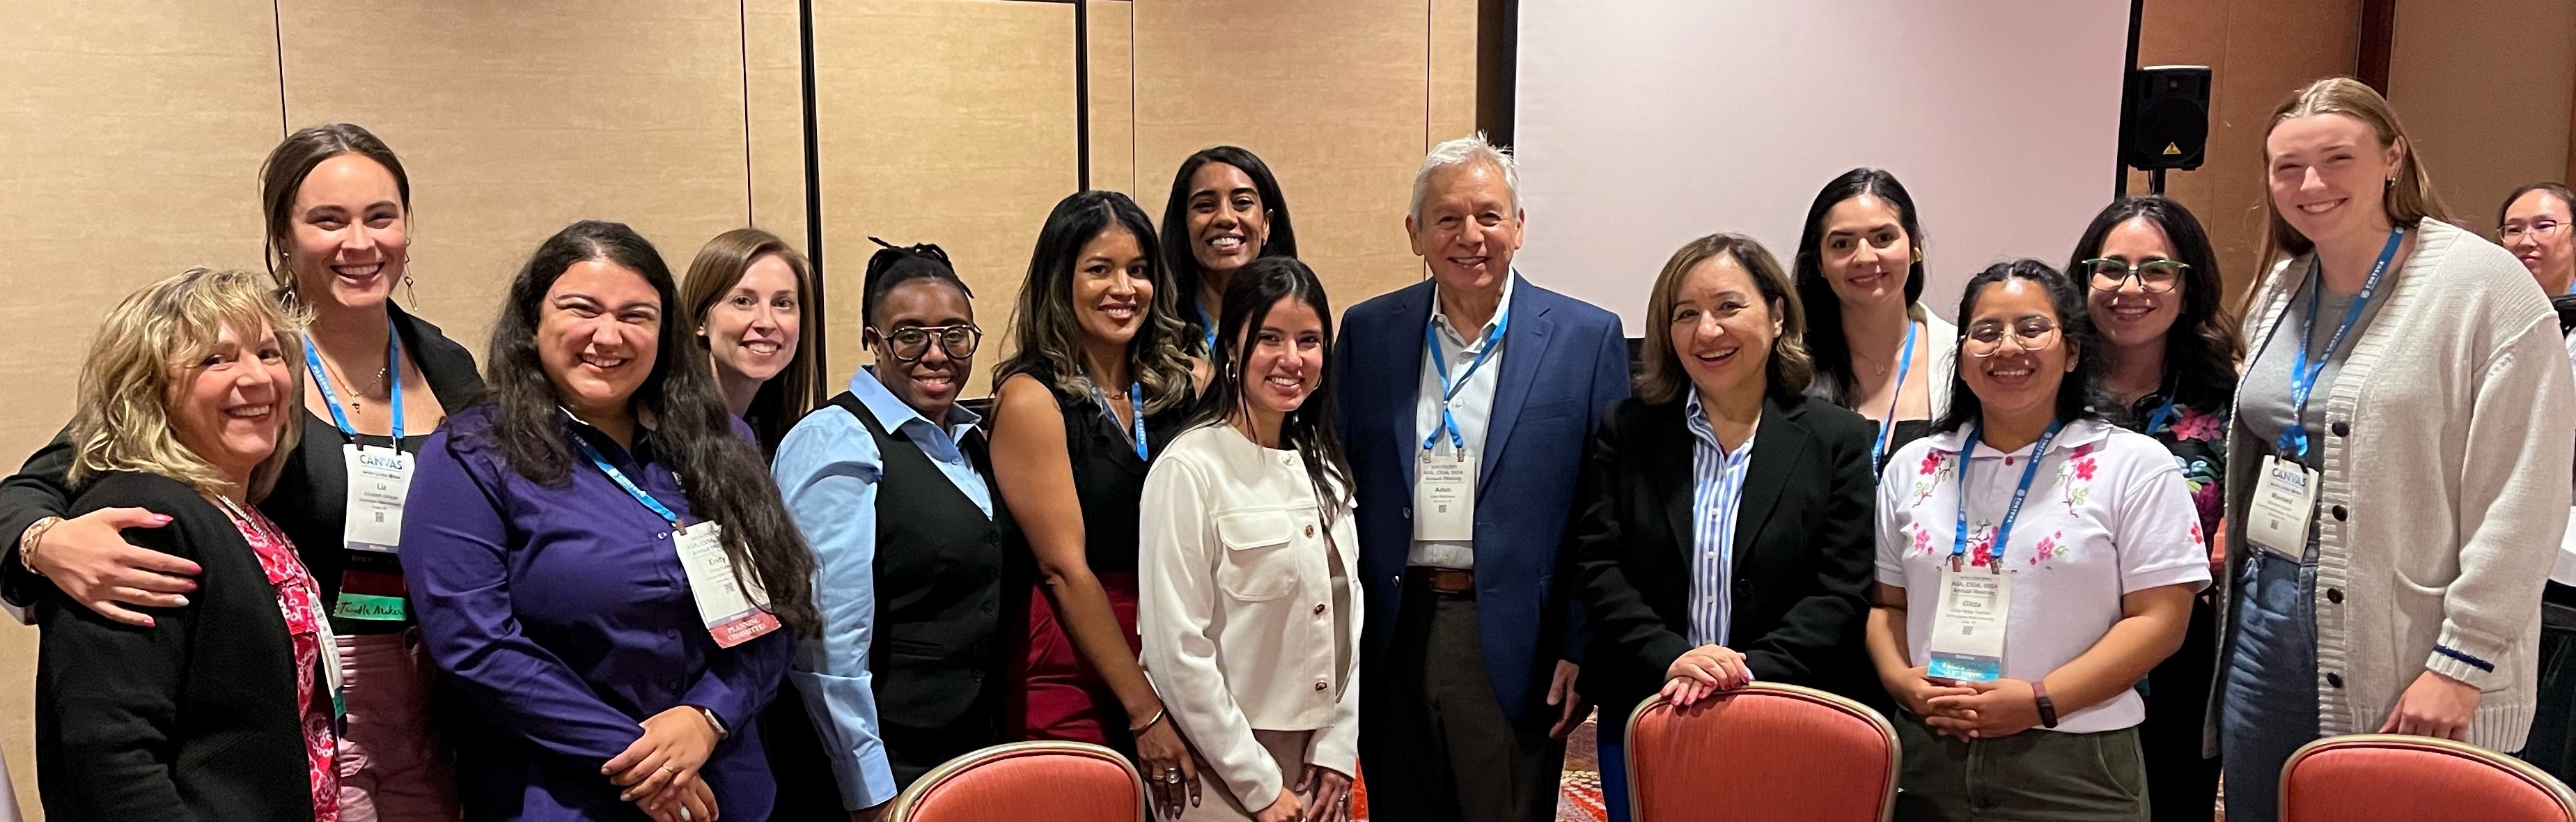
(1235, 606)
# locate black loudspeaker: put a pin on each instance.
(2167, 126)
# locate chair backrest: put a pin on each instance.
(1057, 781)
(2365, 777)
(1779, 753)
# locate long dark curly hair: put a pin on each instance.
(2202, 349)
(726, 479)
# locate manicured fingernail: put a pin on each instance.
(192, 585)
(160, 519)
(148, 623)
(183, 601)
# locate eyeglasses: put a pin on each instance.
(2155, 276)
(2514, 231)
(911, 343)
(2031, 334)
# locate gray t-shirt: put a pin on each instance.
(2263, 400)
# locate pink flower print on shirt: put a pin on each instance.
(2046, 549)
(2196, 425)
(1922, 538)
(1928, 476)
(1931, 463)
(1981, 546)
(2083, 466)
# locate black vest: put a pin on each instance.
(936, 656)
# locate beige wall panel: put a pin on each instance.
(942, 121)
(1330, 93)
(130, 140)
(515, 119)
(2260, 51)
(1113, 104)
(1453, 70)
(2477, 82)
(776, 90)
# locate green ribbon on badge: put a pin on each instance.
(371, 607)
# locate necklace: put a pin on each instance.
(357, 398)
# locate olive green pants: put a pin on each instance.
(2037, 775)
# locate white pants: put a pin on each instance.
(1216, 804)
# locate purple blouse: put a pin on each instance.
(564, 617)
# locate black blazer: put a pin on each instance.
(193, 718)
(310, 500)
(1803, 551)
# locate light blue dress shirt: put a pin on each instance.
(827, 468)
(1717, 494)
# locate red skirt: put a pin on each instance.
(1061, 696)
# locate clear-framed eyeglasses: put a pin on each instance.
(2538, 228)
(2029, 334)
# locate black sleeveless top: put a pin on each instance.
(938, 574)
(1108, 477)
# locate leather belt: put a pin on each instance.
(1448, 581)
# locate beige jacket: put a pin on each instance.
(2446, 485)
(1236, 604)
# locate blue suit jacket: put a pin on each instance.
(1564, 362)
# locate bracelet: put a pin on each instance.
(713, 722)
(2047, 707)
(1149, 723)
(30, 538)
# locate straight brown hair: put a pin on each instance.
(786, 398)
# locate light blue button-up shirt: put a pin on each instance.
(1717, 494)
(827, 468)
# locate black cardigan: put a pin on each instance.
(309, 501)
(193, 718)
(1803, 551)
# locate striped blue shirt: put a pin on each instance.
(1717, 493)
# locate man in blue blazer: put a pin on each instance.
(1467, 405)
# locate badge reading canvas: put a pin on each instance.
(379, 480)
(2285, 499)
(732, 614)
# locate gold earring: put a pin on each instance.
(1918, 255)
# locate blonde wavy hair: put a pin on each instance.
(2409, 197)
(141, 350)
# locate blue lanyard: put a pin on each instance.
(1136, 404)
(1449, 390)
(393, 377)
(1887, 427)
(2303, 376)
(1210, 340)
(2003, 531)
(619, 477)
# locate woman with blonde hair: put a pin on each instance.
(751, 295)
(2402, 432)
(223, 708)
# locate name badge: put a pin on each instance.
(1444, 496)
(379, 480)
(732, 615)
(1968, 630)
(2285, 500)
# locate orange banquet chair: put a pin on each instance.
(2367, 777)
(1762, 753)
(1024, 781)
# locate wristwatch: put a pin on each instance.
(2047, 707)
(713, 722)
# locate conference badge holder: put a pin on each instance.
(1968, 630)
(2285, 500)
(379, 481)
(733, 615)
(1444, 496)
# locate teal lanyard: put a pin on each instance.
(2003, 530)
(2293, 441)
(393, 377)
(1887, 427)
(1449, 390)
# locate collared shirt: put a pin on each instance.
(563, 614)
(1717, 493)
(2107, 516)
(827, 469)
(1473, 407)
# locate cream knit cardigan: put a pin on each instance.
(2447, 442)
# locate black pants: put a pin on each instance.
(2182, 784)
(2552, 743)
(1434, 745)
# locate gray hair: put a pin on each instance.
(1473, 148)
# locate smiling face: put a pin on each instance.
(929, 383)
(2015, 355)
(2542, 232)
(228, 405)
(752, 329)
(346, 237)
(1722, 328)
(2329, 176)
(2131, 316)
(1469, 228)
(1228, 222)
(1287, 358)
(1113, 285)
(1865, 254)
(598, 335)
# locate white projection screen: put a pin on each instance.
(1642, 124)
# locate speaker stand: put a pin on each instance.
(2156, 182)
